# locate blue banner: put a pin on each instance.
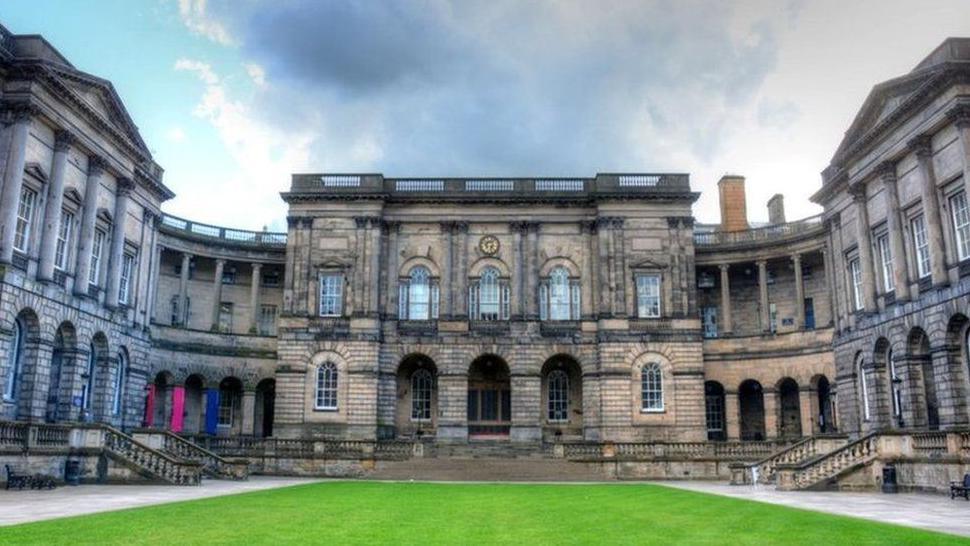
(211, 410)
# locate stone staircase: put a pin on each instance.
(149, 462)
(822, 471)
(213, 465)
(765, 470)
(488, 469)
(488, 449)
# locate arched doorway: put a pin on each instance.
(789, 409)
(19, 370)
(752, 409)
(417, 396)
(59, 403)
(265, 407)
(160, 400)
(714, 411)
(919, 359)
(229, 417)
(562, 398)
(194, 404)
(489, 397)
(825, 412)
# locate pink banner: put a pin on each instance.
(150, 405)
(178, 408)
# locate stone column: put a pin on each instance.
(603, 237)
(248, 410)
(183, 315)
(55, 204)
(532, 274)
(894, 223)
(830, 281)
(217, 294)
(151, 299)
(732, 415)
(518, 267)
(864, 242)
(374, 280)
(13, 180)
(770, 397)
(460, 288)
(117, 255)
(393, 257)
(727, 326)
(763, 298)
(254, 298)
(89, 216)
(921, 146)
(959, 115)
(796, 261)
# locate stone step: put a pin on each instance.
(504, 450)
(488, 469)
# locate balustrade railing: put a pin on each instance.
(157, 463)
(764, 471)
(264, 238)
(929, 441)
(835, 462)
(767, 233)
(212, 464)
(727, 451)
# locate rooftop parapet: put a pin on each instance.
(205, 232)
(708, 236)
(612, 185)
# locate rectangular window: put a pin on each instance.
(809, 314)
(227, 406)
(271, 278)
(124, 287)
(331, 295)
(25, 214)
(94, 271)
(267, 320)
(773, 318)
(961, 224)
(709, 316)
(648, 296)
(855, 268)
(921, 246)
(886, 257)
(61, 252)
(225, 316)
(228, 276)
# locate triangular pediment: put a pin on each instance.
(648, 264)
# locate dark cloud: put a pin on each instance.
(503, 88)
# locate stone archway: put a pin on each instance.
(562, 398)
(751, 403)
(789, 409)
(919, 360)
(194, 422)
(824, 405)
(417, 396)
(489, 398)
(264, 408)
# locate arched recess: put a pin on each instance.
(789, 409)
(919, 360)
(19, 366)
(229, 419)
(195, 404)
(95, 379)
(265, 408)
(60, 388)
(864, 390)
(885, 379)
(159, 406)
(823, 404)
(416, 396)
(562, 397)
(752, 410)
(714, 411)
(489, 397)
(958, 350)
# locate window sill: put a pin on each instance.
(653, 411)
(326, 410)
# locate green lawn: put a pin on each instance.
(423, 513)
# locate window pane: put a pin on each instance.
(559, 294)
(961, 224)
(558, 396)
(648, 296)
(25, 214)
(94, 271)
(63, 240)
(331, 295)
(652, 388)
(488, 295)
(326, 392)
(886, 253)
(421, 390)
(419, 295)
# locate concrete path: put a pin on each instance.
(933, 512)
(25, 506)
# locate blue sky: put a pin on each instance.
(233, 96)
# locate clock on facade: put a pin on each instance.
(488, 245)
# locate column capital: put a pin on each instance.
(761, 263)
(186, 256)
(124, 187)
(959, 115)
(587, 226)
(887, 172)
(518, 226)
(796, 258)
(22, 112)
(724, 267)
(391, 226)
(221, 261)
(256, 266)
(921, 145)
(96, 165)
(858, 192)
(63, 140)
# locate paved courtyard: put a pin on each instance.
(925, 511)
(25, 506)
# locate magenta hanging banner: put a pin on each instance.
(150, 405)
(178, 407)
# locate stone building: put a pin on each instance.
(527, 310)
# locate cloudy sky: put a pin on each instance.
(233, 96)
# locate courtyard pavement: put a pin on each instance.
(32, 505)
(925, 511)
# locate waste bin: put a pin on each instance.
(72, 472)
(889, 479)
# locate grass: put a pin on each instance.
(425, 513)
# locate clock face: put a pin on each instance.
(488, 245)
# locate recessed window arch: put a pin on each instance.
(422, 387)
(558, 396)
(120, 379)
(863, 387)
(651, 388)
(326, 387)
(87, 391)
(15, 359)
(559, 296)
(489, 296)
(418, 295)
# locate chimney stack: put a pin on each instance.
(734, 205)
(776, 209)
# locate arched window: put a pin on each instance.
(87, 391)
(894, 384)
(418, 296)
(559, 296)
(558, 396)
(422, 384)
(652, 388)
(863, 387)
(489, 297)
(15, 357)
(119, 384)
(326, 392)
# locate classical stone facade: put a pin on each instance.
(528, 310)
